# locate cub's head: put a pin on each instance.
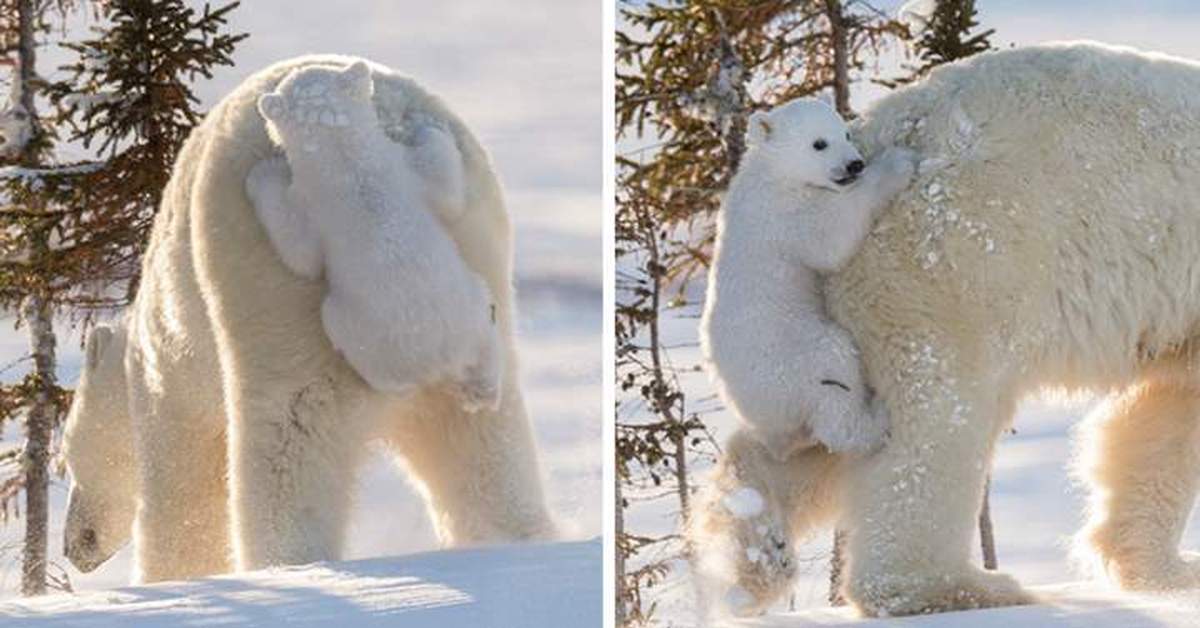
(98, 447)
(318, 100)
(806, 142)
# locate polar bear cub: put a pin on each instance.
(357, 208)
(798, 208)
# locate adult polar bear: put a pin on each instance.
(1052, 238)
(231, 375)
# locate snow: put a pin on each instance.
(1076, 605)
(916, 14)
(527, 585)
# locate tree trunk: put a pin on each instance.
(619, 551)
(987, 538)
(39, 319)
(728, 90)
(39, 428)
(837, 568)
(840, 44)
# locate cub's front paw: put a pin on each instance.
(899, 163)
(266, 177)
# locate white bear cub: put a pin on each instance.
(799, 207)
(359, 209)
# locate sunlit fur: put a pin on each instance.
(345, 205)
(1050, 239)
(790, 374)
(248, 427)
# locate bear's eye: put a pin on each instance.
(820, 145)
(847, 136)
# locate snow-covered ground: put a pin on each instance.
(1060, 606)
(532, 95)
(530, 585)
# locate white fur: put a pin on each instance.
(248, 426)
(785, 369)
(348, 206)
(1052, 240)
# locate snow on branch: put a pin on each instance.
(917, 15)
(16, 125)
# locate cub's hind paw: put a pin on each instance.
(479, 391)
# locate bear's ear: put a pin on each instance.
(356, 79)
(98, 341)
(759, 128)
(271, 107)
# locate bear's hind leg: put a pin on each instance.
(479, 472)
(182, 525)
(1143, 466)
(747, 519)
(295, 448)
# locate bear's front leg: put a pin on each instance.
(913, 506)
(182, 529)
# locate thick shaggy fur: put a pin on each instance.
(347, 205)
(248, 425)
(796, 209)
(1051, 239)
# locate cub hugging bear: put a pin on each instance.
(350, 204)
(799, 207)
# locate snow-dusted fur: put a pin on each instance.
(248, 426)
(1051, 238)
(348, 206)
(797, 209)
(746, 522)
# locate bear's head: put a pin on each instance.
(98, 447)
(806, 142)
(313, 102)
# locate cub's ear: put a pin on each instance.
(759, 128)
(356, 79)
(272, 107)
(825, 96)
(97, 343)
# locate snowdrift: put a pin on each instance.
(1081, 605)
(549, 585)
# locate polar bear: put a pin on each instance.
(247, 425)
(1050, 239)
(798, 208)
(347, 205)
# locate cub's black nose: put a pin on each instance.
(855, 166)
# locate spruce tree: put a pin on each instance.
(72, 232)
(689, 74)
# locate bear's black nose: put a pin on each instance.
(855, 166)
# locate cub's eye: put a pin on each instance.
(847, 136)
(820, 145)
